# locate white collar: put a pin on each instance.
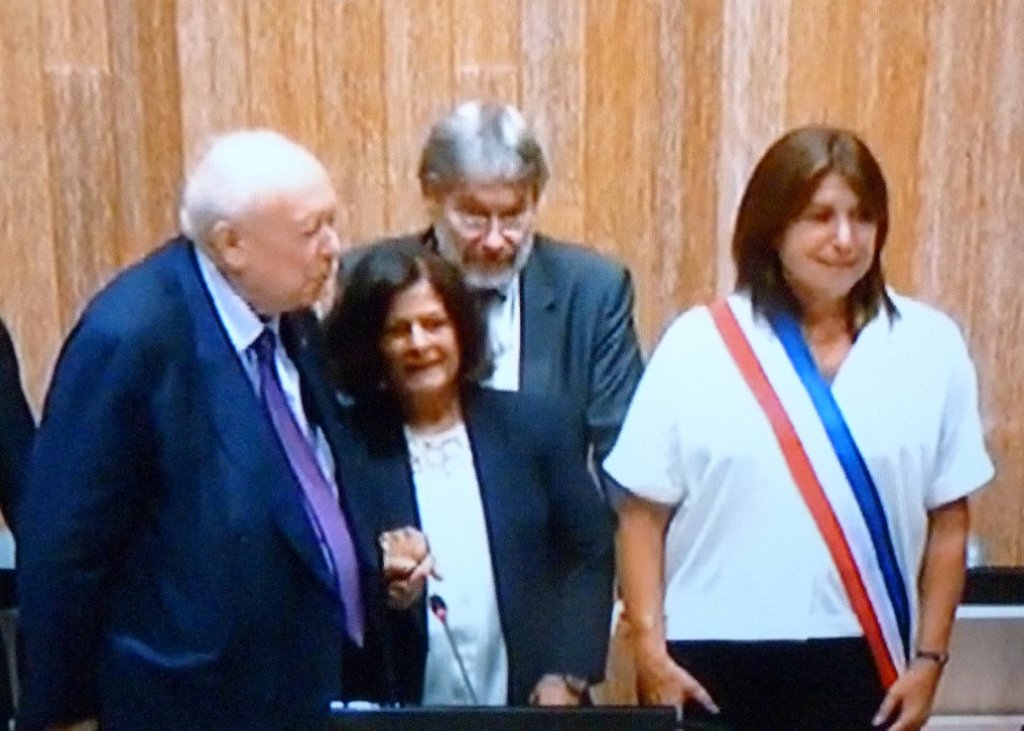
(242, 325)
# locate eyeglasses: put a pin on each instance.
(510, 225)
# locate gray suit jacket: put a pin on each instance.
(578, 339)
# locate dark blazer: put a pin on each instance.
(550, 535)
(578, 338)
(16, 429)
(169, 576)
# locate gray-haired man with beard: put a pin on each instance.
(560, 317)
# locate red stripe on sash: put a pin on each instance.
(807, 482)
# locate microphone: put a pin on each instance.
(440, 610)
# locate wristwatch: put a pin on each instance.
(578, 686)
(939, 657)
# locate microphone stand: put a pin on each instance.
(440, 610)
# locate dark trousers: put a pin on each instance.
(816, 685)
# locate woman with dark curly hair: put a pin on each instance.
(489, 490)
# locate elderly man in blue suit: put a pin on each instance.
(186, 560)
(559, 316)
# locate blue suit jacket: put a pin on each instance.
(550, 536)
(169, 576)
(578, 339)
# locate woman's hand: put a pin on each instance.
(556, 690)
(910, 697)
(661, 682)
(406, 564)
(942, 582)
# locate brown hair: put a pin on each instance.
(781, 186)
(353, 329)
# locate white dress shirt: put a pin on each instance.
(504, 332)
(452, 518)
(744, 560)
(243, 327)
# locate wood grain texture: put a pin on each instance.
(353, 112)
(418, 87)
(653, 113)
(689, 98)
(75, 35)
(755, 49)
(83, 186)
(970, 257)
(281, 48)
(620, 143)
(147, 130)
(29, 299)
(213, 70)
(487, 50)
(553, 98)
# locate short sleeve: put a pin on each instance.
(962, 464)
(646, 459)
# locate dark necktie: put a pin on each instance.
(321, 506)
(490, 298)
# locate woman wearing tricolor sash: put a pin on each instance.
(795, 469)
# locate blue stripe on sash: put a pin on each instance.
(788, 331)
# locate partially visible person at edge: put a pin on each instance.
(186, 556)
(17, 428)
(488, 489)
(796, 465)
(559, 316)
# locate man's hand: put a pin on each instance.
(554, 690)
(910, 697)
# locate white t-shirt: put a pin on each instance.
(452, 518)
(744, 559)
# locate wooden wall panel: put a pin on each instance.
(353, 112)
(689, 101)
(418, 88)
(653, 113)
(755, 47)
(213, 70)
(619, 146)
(970, 259)
(83, 186)
(282, 68)
(486, 50)
(553, 98)
(147, 130)
(75, 35)
(29, 299)
(80, 147)
(893, 116)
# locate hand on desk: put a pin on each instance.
(555, 690)
(909, 700)
(661, 682)
(406, 564)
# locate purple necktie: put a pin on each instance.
(321, 506)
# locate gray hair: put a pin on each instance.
(482, 142)
(238, 170)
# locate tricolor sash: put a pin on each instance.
(870, 573)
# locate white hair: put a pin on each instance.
(239, 169)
